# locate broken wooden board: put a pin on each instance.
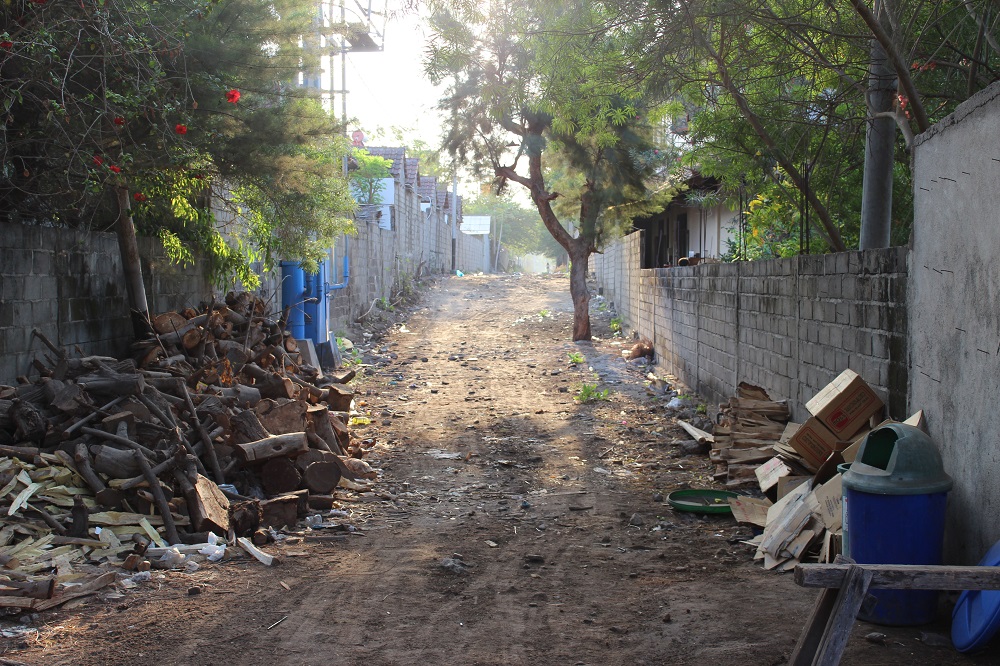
(697, 434)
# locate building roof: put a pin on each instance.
(426, 188)
(412, 171)
(396, 155)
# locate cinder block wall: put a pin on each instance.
(70, 286)
(471, 253)
(787, 325)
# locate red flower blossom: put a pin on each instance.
(181, 129)
(115, 168)
(6, 45)
(119, 121)
(915, 65)
(98, 160)
(139, 196)
(233, 96)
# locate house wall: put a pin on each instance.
(708, 230)
(787, 325)
(955, 312)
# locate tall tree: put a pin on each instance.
(530, 82)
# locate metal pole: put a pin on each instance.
(454, 220)
(343, 79)
(876, 196)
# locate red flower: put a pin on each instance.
(198, 176)
(7, 45)
(119, 121)
(98, 160)
(139, 196)
(915, 65)
(181, 129)
(233, 96)
(116, 169)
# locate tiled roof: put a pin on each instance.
(427, 188)
(397, 155)
(412, 171)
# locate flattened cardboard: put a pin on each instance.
(830, 499)
(750, 510)
(787, 484)
(769, 473)
(845, 404)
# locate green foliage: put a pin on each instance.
(590, 393)
(367, 181)
(616, 325)
(576, 358)
(518, 228)
(542, 314)
(191, 107)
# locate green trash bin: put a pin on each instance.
(894, 506)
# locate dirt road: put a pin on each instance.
(516, 526)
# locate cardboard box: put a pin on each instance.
(845, 405)
(813, 442)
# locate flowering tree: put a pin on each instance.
(117, 107)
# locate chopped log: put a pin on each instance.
(137, 481)
(116, 384)
(322, 477)
(27, 453)
(207, 506)
(31, 424)
(64, 396)
(246, 427)
(174, 336)
(322, 502)
(343, 434)
(269, 384)
(280, 511)
(354, 469)
(281, 418)
(48, 518)
(121, 440)
(32, 589)
(341, 376)
(81, 517)
(161, 501)
(115, 463)
(191, 339)
(246, 517)
(213, 459)
(260, 537)
(280, 476)
(242, 395)
(316, 441)
(237, 354)
(339, 398)
(168, 322)
(274, 446)
(313, 455)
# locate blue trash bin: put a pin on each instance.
(895, 494)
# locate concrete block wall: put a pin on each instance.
(471, 253)
(69, 285)
(787, 325)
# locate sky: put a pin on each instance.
(389, 89)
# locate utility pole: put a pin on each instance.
(454, 220)
(876, 196)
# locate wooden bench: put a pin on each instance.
(846, 586)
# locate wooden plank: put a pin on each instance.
(839, 626)
(696, 434)
(903, 576)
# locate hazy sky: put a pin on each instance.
(388, 89)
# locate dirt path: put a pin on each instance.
(526, 528)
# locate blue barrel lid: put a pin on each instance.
(898, 459)
(976, 617)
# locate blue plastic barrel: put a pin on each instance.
(895, 494)
(292, 294)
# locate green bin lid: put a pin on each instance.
(898, 459)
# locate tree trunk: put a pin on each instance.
(579, 257)
(129, 248)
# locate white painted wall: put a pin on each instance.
(954, 318)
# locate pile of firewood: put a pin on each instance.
(750, 425)
(216, 425)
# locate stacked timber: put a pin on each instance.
(750, 426)
(216, 425)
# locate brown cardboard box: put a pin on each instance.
(813, 442)
(845, 405)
